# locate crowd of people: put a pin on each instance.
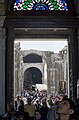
(34, 105)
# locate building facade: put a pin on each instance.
(41, 67)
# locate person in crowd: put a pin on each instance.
(26, 114)
(61, 96)
(44, 108)
(66, 109)
(18, 102)
(38, 115)
(21, 117)
(30, 108)
(10, 111)
(18, 116)
(52, 113)
(50, 101)
(37, 104)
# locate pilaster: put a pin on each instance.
(2, 67)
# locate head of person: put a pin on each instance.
(18, 97)
(56, 103)
(38, 114)
(29, 100)
(21, 108)
(66, 107)
(21, 117)
(44, 102)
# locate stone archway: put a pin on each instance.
(31, 61)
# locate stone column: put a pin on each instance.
(2, 67)
(9, 66)
(48, 59)
(53, 81)
(73, 63)
(2, 59)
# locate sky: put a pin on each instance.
(54, 46)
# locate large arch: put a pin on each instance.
(38, 53)
(42, 58)
(32, 76)
(40, 65)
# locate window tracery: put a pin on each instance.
(22, 5)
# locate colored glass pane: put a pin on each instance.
(40, 5)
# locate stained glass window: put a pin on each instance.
(60, 5)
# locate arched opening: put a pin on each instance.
(32, 58)
(32, 76)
